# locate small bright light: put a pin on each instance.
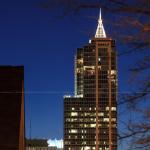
(55, 143)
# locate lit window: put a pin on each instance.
(92, 125)
(100, 125)
(113, 119)
(78, 70)
(101, 114)
(87, 148)
(107, 108)
(106, 119)
(114, 125)
(74, 131)
(84, 142)
(113, 72)
(75, 119)
(113, 108)
(80, 61)
(89, 67)
(74, 114)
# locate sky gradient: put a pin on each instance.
(45, 44)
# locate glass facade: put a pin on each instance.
(90, 117)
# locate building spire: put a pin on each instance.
(100, 32)
(100, 15)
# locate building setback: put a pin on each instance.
(12, 131)
(90, 116)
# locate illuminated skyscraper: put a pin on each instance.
(12, 130)
(90, 116)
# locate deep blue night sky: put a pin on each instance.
(46, 45)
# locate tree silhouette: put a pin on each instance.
(134, 20)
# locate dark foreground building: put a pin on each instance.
(11, 108)
(36, 144)
(90, 116)
(39, 144)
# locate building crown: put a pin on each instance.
(100, 32)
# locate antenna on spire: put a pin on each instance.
(100, 32)
(100, 15)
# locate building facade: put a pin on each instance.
(90, 116)
(41, 144)
(38, 148)
(42, 148)
(12, 129)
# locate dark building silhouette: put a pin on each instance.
(12, 130)
(36, 144)
(90, 116)
(39, 144)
